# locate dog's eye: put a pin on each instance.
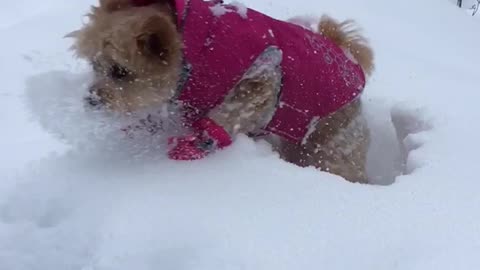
(96, 66)
(118, 72)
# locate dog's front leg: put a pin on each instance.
(251, 103)
(247, 108)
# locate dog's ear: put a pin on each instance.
(114, 5)
(73, 34)
(143, 2)
(139, 3)
(157, 38)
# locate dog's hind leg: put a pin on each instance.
(339, 144)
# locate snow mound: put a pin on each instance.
(63, 114)
(106, 203)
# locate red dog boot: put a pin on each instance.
(212, 132)
(186, 148)
(209, 137)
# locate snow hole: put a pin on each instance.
(395, 132)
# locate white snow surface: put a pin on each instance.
(74, 195)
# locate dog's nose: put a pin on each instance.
(93, 99)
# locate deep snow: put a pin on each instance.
(72, 196)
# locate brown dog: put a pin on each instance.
(136, 53)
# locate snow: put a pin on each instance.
(219, 10)
(73, 195)
(242, 10)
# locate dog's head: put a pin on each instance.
(135, 52)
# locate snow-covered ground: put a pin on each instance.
(71, 197)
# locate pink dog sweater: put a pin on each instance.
(221, 43)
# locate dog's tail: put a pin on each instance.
(347, 36)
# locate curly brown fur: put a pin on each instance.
(136, 53)
(251, 103)
(347, 36)
(338, 143)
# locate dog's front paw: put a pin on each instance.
(209, 137)
(187, 148)
(211, 133)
